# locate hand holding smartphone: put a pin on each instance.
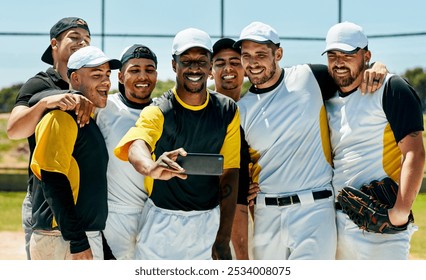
(201, 164)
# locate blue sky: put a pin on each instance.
(20, 56)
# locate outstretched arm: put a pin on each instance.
(164, 168)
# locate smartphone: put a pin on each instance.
(201, 164)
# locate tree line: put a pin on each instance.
(416, 77)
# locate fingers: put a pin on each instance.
(373, 78)
(371, 81)
(83, 109)
(253, 190)
(65, 102)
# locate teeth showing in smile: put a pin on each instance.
(341, 71)
(195, 79)
(256, 71)
(228, 77)
(141, 85)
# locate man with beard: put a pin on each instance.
(186, 216)
(285, 126)
(372, 137)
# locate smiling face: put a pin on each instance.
(347, 68)
(68, 42)
(261, 63)
(192, 70)
(227, 71)
(139, 76)
(93, 82)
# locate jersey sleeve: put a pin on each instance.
(232, 144)
(29, 89)
(149, 128)
(325, 81)
(55, 134)
(402, 107)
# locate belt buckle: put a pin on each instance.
(285, 200)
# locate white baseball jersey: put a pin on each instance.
(365, 132)
(286, 129)
(125, 184)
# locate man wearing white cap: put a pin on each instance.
(66, 36)
(186, 216)
(285, 126)
(372, 137)
(69, 161)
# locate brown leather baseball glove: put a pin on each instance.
(368, 207)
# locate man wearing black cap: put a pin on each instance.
(126, 190)
(186, 216)
(66, 36)
(69, 162)
(227, 71)
(228, 75)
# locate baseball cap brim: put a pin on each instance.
(186, 47)
(340, 47)
(256, 39)
(47, 56)
(113, 63)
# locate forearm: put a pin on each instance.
(23, 120)
(410, 180)
(140, 157)
(58, 193)
(239, 235)
(228, 202)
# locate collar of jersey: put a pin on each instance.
(256, 90)
(191, 107)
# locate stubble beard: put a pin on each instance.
(265, 78)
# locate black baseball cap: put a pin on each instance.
(61, 26)
(136, 51)
(225, 43)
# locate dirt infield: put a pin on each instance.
(12, 245)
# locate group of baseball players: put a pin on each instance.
(104, 182)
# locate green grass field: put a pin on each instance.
(10, 220)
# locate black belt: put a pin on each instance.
(293, 199)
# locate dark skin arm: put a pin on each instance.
(228, 202)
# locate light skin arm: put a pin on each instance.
(85, 255)
(23, 119)
(413, 158)
(228, 201)
(164, 168)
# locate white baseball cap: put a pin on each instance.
(191, 38)
(90, 56)
(346, 37)
(258, 32)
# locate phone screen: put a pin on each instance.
(201, 164)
